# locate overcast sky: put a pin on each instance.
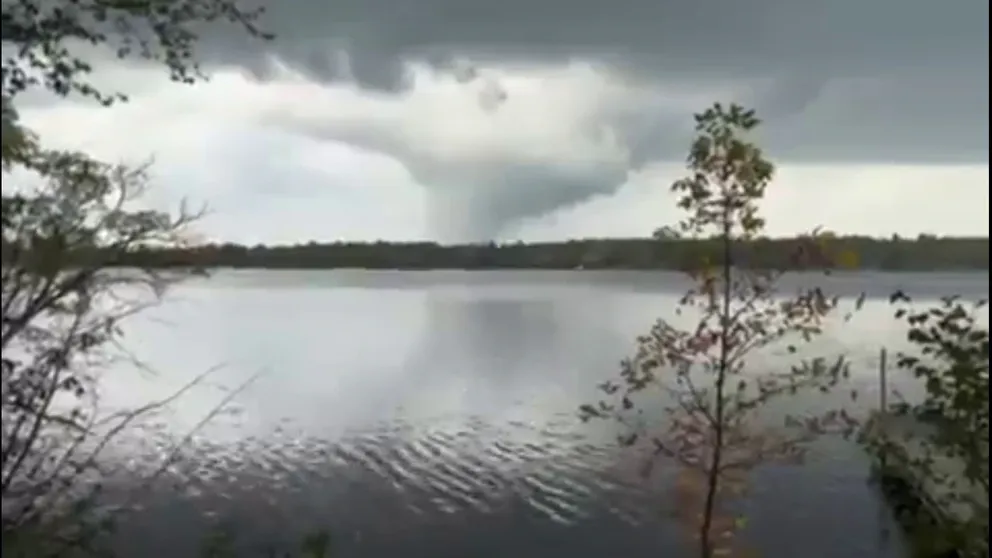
(546, 119)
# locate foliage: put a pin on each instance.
(58, 316)
(46, 37)
(68, 222)
(951, 358)
(714, 432)
(922, 253)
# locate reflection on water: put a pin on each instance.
(436, 419)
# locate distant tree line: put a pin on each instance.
(923, 253)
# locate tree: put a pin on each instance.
(955, 254)
(45, 36)
(68, 221)
(942, 441)
(701, 373)
(62, 304)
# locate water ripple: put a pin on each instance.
(439, 474)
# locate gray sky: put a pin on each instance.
(469, 119)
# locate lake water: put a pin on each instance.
(433, 414)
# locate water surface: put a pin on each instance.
(433, 414)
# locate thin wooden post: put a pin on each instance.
(883, 381)
(883, 401)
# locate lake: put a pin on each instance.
(433, 414)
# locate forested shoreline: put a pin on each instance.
(924, 253)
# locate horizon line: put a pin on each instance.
(513, 242)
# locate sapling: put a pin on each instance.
(704, 374)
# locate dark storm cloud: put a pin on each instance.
(932, 57)
(721, 37)
(842, 81)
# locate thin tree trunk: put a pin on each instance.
(713, 481)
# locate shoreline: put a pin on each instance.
(923, 502)
(840, 272)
